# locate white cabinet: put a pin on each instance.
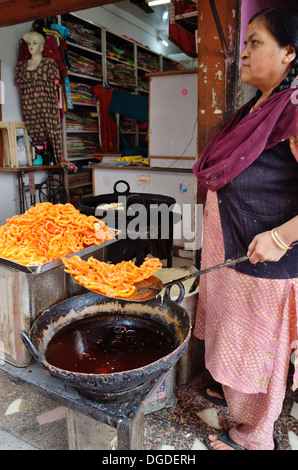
(173, 104)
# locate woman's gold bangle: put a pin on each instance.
(278, 242)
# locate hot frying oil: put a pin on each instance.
(104, 344)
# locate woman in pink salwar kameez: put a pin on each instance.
(247, 314)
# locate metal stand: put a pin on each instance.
(55, 188)
(126, 417)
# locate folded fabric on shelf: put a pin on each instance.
(87, 121)
(148, 61)
(83, 65)
(81, 35)
(122, 54)
(82, 93)
(79, 147)
(121, 74)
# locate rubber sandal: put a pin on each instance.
(224, 437)
(218, 389)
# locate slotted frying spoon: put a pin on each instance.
(156, 288)
(151, 287)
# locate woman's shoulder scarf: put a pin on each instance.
(239, 142)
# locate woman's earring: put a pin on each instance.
(285, 60)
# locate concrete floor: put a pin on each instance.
(29, 421)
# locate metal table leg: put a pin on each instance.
(21, 191)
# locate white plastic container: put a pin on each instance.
(192, 362)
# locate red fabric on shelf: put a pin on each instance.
(109, 132)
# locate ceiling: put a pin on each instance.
(14, 12)
(21, 11)
(155, 20)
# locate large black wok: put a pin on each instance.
(151, 202)
(154, 234)
(162, 310)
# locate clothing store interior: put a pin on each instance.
(148, 162)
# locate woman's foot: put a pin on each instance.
(217, 444)
(222, 441)
(215, 394)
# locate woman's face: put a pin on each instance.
(262, 58)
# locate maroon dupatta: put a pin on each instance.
(240, 141)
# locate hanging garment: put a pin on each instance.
(131, 106)
(39, 102)
(108, 128)
(62, 47)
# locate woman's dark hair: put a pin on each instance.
(282, 23)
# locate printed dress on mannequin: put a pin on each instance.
(38, 79)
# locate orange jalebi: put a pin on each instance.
(49, 231)
(113, 280)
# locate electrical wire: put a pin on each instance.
(192, 137)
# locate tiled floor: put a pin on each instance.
(29, 421)
(186, 425)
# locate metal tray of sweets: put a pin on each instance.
(38, 269)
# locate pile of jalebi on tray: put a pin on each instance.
(49, 231)
(113, 280)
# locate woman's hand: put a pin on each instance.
(262, 248)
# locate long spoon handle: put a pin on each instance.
(197, 274)
(229, 262)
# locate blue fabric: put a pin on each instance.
(129, 105)
(62, 30)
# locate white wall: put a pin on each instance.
(9, 40)
(186, 61)
(11, 111)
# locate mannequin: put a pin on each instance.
(35, 42)
(38, 79)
